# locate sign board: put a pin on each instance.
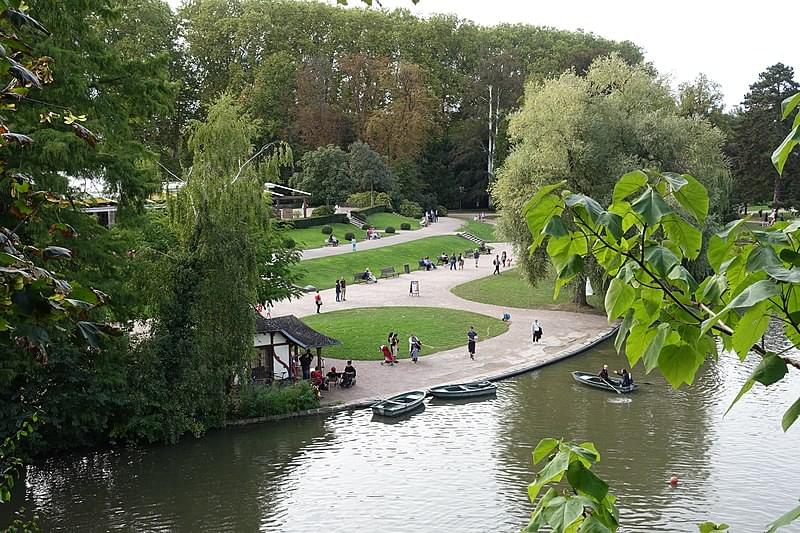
(413, 289)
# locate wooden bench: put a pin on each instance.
(388, 272)
(358, 277)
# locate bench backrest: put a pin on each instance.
(387, 270)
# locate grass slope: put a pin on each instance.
(323, 272)
(362, 331)
(381, 220)
(510, 290)
(482, 230)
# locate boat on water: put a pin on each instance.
(610, 384)
(400, 404)
(464, 390)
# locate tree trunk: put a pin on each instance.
(580, 291)
(777, 191)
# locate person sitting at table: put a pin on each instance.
(318, 380)
(368, 276)
(333, 376)
(348, 378)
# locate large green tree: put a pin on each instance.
(325, 175)
(758, 129)
(590, 129)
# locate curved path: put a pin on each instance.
(509, 351)
(445, 226)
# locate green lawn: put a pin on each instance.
(482, 230)
(323, 272)
(314, 238)
(509, 289)
(381, 220)
(362, 331)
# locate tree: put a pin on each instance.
(703, 98)
(369, 170)
(324, 174)
(588, 130)
(757, 131)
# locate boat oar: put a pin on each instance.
(610, 385)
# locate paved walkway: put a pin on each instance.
(445, 226)
(513, 349)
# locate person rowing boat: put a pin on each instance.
(627, 378)
(603, 373)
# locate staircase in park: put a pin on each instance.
(470, 237)
(357, 222)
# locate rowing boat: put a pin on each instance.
(610, 384)
(464, 390)
(400, 404)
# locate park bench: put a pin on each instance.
(358, 277)
(329, 243)
(388, 272)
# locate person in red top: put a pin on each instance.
(318, 301)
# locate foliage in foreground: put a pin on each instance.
(643, 240)
(256, 401)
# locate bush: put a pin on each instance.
(365, 227)
(405, 226)
(362, 199)
(442, 210)
(323, 211)
(410, 209)
(327, 230)
(288, 242)
(390, 229)
(349, 236)
(257, 400)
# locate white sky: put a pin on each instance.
(731, 41)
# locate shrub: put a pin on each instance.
(362, 199)
(405, 226)
(327, 230)
(365, 227)
(390, 229)
(349, 236)
(275, 400)
(410, 209)
(288, 242)
(442, 210)
(323, 211)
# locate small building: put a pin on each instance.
(280, 338)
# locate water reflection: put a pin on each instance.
(456, 465)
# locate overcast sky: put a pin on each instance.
(682, 38)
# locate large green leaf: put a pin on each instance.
(593, 525)
(762, 257)
(783, 274)
(581, 202)
(770, 370)
(638, 339)
(661, 259)
(679, 363)
(553, 471)
(623, 330)
(789, 104)
(539, 214)
(781, 153)
(561, 512)
(651, 207)
(693, 197)
(628, 184)
(689, 238)
(784, 520)
(679, 273)
(731, 229)
(612, 222)
(584, 480)
(619, 298)
(751, 327)
(653, 349)
(750, 296)
(555, 227)
(544, 449)
(790, 415)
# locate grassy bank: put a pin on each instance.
(482, 230)
(362, 331)
(323, 272)
(314, 238)
(381, 220)
(510, 290)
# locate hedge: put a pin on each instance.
(272, 400)
(302, 223)
(405, 226)
(367, 211)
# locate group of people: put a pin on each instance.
(332, 240)
(302, 366)
(456, 262)
(502, 260)
(341, 290)
(389, 350)
(373, 234)
(627, 377)
(480, 217)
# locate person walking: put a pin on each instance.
(503, 258)
(453, 261)
(354, 243)
(496, 264)
(338, 290)
(343, 287)
(392, 342)
(414, 345)
(536, 331)
(460, 262)
(472, 336)
(318, 301)
(476, 256)
(305, 364)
